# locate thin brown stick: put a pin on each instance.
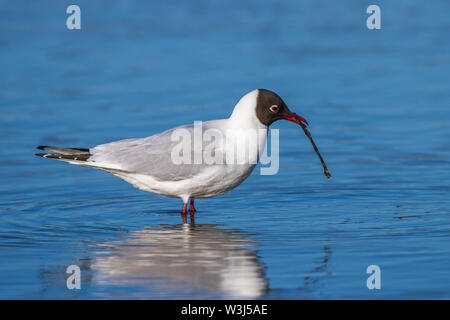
(325, 169)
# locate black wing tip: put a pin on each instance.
(47, 155)
(45, 148)
(67, 157)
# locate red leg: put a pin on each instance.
(192, 211)
(191, 207)
(184, 213)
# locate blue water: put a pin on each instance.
(378, 102)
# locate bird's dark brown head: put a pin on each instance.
(270, 108)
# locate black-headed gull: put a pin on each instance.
(150, 165)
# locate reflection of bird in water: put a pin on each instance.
(185, 261)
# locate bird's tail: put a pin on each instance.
(65, 154)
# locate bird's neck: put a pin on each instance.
(244, 113)
(244, 127)
(248, 134)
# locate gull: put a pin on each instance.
(152, 164)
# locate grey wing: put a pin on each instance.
(151, 155)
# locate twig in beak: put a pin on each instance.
(325, 169)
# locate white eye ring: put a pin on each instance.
(274, 108)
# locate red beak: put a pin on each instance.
(295, 118)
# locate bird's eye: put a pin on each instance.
(274, 108)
